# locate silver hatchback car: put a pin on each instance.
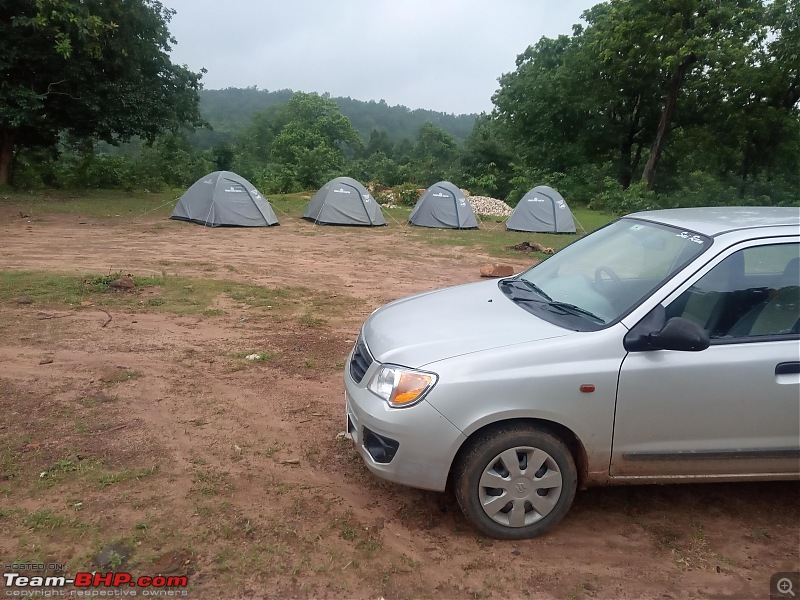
(663, 347)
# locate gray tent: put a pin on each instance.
(222, 199)
(542, 210)
(443, 205)
(344, 201)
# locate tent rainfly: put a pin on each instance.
(542, 210)
(224, 199)
(344, 201)
(443, 205)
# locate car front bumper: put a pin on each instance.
(412, 446)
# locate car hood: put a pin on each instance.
(433, 326)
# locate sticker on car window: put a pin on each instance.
(692, 238)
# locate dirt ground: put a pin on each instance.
(151, 432)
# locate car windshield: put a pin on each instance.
(600, 278)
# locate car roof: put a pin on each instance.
(723, 219)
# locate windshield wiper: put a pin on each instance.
(571, 308)
(528, 285)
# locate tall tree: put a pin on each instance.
(486, 162)
(673, 40)
(434, 154)
(91, 69)
(310, 141)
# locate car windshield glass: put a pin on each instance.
(601, 277)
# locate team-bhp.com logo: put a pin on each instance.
(95, 584)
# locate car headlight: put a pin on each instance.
(400, 386)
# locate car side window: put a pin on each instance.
(752, 293)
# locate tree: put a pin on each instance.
(379, 142)
(434, 155)
(671, 41)
(667, 87)
(486, 162)
(298, 145)
(91, 69)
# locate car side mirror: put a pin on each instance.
(680, 334)
(653, 333)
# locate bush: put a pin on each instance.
(406, 194)
(615, 200)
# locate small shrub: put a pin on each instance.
(616, 200)
(406, 194)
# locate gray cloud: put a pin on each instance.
(443, 55)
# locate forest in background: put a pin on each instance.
(650, 104)
(230, 111)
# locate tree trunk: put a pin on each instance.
(649, 173)
(627, 162)
(6, 155)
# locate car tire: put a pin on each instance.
(499, 465)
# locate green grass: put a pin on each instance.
(91, 471)
(94, 203)
(491, 238)
(175, 295)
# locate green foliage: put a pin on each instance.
(406, 194)
(486, 161)
(168, 162)
(379, 168)
(434, 155)
(296, 146)
(231, 111)
(92, 69)
(699, 99)
(614, 199)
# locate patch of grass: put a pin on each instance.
(175, 295)
(347, 530)
(210, 482)
(309, 320)
(128, 206)
(96, 400)
(92, 471)
(104, 480)
(43, 520)
(492, 236)
(46, 520)
(120, 376)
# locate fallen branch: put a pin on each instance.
(43, 316)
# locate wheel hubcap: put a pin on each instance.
(520, 486)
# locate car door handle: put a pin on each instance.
(788, 368)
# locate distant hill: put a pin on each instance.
(230, 110)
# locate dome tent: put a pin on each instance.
(542, 210)
(344, 201)
(224, 199)
(443, 205)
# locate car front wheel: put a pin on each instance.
(516, 482)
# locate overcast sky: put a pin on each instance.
(443, 55)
